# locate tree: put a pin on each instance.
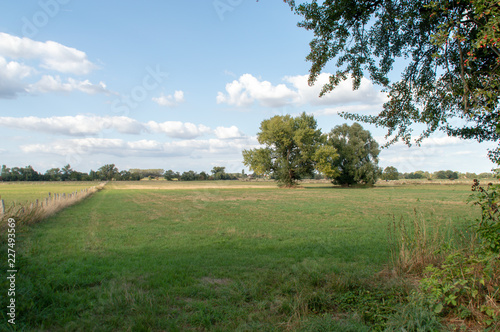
(66, 172)
(358, 161)
(390, 173)
(29, 174)
(453, 70)
(450, 175)
(189, 176)
(53, 174)
(294, 147)
(5, 174)
(108, 172)
(170, 175)
(219, 173)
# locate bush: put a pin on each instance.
(488, 228)
(467, 283)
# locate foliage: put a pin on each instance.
(144, 173)
(219, 173)
(108, 171)
(416, 315)
(293, 149)
(390, 173)
(466, 284)
(488, 228)
(450, 175)
(416, 175)
(171, 175)
(452, 71)
(358, 155)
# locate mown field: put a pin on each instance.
(227, 257)
(22, 192)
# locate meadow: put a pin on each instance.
(23, 192)
(223, 256)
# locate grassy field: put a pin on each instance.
(22, 192)
(227, 257)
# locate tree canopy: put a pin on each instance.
(451, 47)
(294, 148)
(358, 151)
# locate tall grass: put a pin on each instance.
(417, 242)
(33, 212)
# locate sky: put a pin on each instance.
(178, 85)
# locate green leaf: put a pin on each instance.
(438, 308)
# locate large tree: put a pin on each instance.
(358, 151)
(451, 81)
(294, 148)
(108, 172)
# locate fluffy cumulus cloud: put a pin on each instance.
(341, 95)
(177, 129)
(248, 90)
(11, 77)
(170, 100)
(228, 132)
(17, 77)
(52, 55)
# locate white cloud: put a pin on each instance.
(79, 125)
(170, 101)
(228, 132)
(11, 75)
(52, 55)
(92, 125)
(43, 56)
(50, 83)
(247, 90)
(341, 95)
(364, 108)
(442, 141)
(141, 148)
(177, 129)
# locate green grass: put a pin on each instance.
(23, 192)
(241, 259)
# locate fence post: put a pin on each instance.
(2, 207)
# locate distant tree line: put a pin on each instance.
(110, 172)
(391, 173)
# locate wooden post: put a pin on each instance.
(2, 207)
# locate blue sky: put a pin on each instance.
(172, 85)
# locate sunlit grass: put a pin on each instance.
(220, 259)
(24, 192)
